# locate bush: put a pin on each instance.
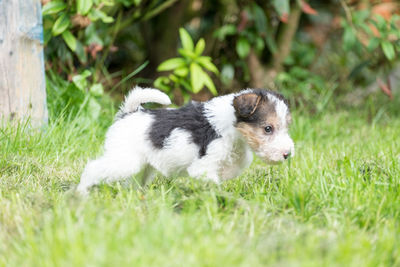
(252, 43)
(188, 75)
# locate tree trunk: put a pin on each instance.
(22, 80)
(285, 38)
(263, 76)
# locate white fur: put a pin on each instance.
(139, 96)
(282, 141)
(273, 148)
(221, 114)
(128, 149)
(281, 109)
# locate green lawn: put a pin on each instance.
(336, 203)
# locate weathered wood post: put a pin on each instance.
(22, 80)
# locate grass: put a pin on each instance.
(336, 203)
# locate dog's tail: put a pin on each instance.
(138, 96)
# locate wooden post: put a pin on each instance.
(22, 79)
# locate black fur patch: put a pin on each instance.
(190, 118)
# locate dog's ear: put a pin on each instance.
(246, 104)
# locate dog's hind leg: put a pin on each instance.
(108, 168)
(148, 175)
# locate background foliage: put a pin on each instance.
(312, 51)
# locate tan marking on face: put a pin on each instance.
(269, 146)
(255, 111)
(254, 132)
(254, 135)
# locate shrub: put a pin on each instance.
(188, 73)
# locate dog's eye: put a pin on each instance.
(269, 129)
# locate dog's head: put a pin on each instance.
(263, 119)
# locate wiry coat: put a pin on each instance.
(210, 140)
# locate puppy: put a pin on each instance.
(211, 140)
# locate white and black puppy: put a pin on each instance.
(211, 140)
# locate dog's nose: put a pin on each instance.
(286, 155)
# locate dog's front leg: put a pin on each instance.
(240, 159)
(206, 175)
(205, 169)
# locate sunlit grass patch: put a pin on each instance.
(334, 203)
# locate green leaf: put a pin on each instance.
(97, 89)
(242, 47)
(270, 41)
(86, 73)
(108, 2)
(259, 44)
(171, 64)
(80, 52)
(360, 16)
(260, 20)
(373, 44)
(83, 6)
(186, 96)
(173, 78)
(80, 80)
(95, 15)
(283, 77)
(210, 84)
(187, 53)
(182, 71)
(349, 39)
(206, 63)
(70, 40)
(299, 73)
(201, 44)
(128, 3)
(53, 7)
(91, 35)
(394, 31)
(381, 23)
(227, 74)
(61, 24)
(106, 19)
(226, 30)
(196, 77)
(388, 49)
(282, 7)
(187, 42)
(185, 84)
(366, 28)
(162, 83)
(46, 36)
(94, 108)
